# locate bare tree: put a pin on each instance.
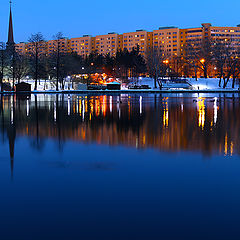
(3, 61)
(21, 67)
(198, 55)
(38, 48)
(155, 58)
(222, 52)
(57, 55)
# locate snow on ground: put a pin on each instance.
(200, 84)
(48, 85)
(210, 83)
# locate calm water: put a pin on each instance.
(120, 167)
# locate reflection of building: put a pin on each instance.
(7, 116)
(169, 124)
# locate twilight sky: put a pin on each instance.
(75, 18)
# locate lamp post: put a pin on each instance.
(166, 62)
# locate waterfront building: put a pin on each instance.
(140, 38)
(83, 46)
(171, 39)
(107, 44)
(168, 39)
(194, 36)
(53, 45)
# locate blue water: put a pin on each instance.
(60, 185)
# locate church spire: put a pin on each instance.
(10, 30)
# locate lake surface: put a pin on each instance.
(120, 167)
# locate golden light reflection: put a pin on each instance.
(165, 112)
(231, 148)
(181, 128)
(226, 145)
(201, 112)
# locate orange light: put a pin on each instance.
(202, 60)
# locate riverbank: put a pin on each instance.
(126, 91)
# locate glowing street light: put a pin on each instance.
(202, 60)
(166, 61)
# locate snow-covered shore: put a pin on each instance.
(201, 85)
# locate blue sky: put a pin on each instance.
(75, 18)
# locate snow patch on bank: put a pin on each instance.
(200, 84)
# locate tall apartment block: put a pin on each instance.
(107, 44)
(168, 39)
(171, 39)
(140, 38)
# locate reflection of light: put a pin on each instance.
(129, 107)
(97, 107)
(118, 101)
(110, 104)
(165, 113)
(144, 140)
(27, 107)
(104, 108)
(201, 112)
(91, 106)
(80, 106)
(231, 149)
(140, 100)
(215, 108)
(83, 111)
(69, 107)
(226, 145)
(55, 112)
(181, 107)
(12, 110)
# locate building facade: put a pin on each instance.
(168, 39)
(171, 39)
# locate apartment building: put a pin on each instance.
(21, 48)
(195, 35)
(171, 39)
(30, 48)
(168, 39)
(83, 46)
(225, 33)
(107, 44)
(140, 38)
(53, 45)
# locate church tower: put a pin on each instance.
(10, 42)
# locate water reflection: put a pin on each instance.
(71, 189)
(209, 124)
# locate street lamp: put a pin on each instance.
(202, 60)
